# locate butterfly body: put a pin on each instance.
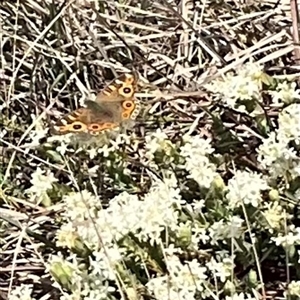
(113, 105)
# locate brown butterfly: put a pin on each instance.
(113, 105)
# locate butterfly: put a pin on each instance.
(113, 105)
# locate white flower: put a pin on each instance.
(289, 124)
(120, 217)
(183, 282)
(40, 182)
(217, 232)
(81, 206)
(235, 224)
(199, 234)
(126, 213)
(66, 138)
(246, 85)
(157, 141)
(245, 187)
(66, 235)
(292, 238)
(294, 288)
(159, 287)
(92, 152)
(198, 205)
(104, 260)
(225, 229)
(38, 134)
(62, 148)
(285, 92)
(277, 157)
(159, 211)
(240, 296)
(274, 151)
(275, 215)
(275, 154)
(196, 144)
(104, 226)
(271, 150)
(197, 164)
(221, 269)
(105, 150)
(84, 284)
(21, 292)
(121, 139)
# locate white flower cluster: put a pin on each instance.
(41, 182)
(291, 239)
(147, 220)
(246, 85)
(80, 206)
(221, 270)
(183, 282)
(21, 292)
(286, 92)
(221, 230)
(39, 132)
(155, 142)
(289, 124)
(125, 214)
(293, 289)
(240, 296)
(199, 234)
(102, 229)
(275, 216)
(89, 284)
(98, 144)
(275, 154)
(195, 152)
(245, 187)
(119, 141)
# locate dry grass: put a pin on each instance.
(54, 53)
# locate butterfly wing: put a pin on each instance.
(85, 120)
(113, 104)
(120, 94)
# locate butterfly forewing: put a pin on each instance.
(119, 89)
